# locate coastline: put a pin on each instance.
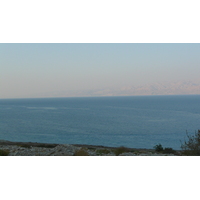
(47, 149)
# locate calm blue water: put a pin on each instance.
(140, 122)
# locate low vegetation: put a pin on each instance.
(102, 151)
(47, 145)
(37, 145)
(4, 152)
(121, 150)
(81, 152)
(159, 148)
(191, 147)
(24, 145)
(169, 150)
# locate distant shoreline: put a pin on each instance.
(114, 96)
(36, 144)
(49, 149)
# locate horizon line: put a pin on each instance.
(99, 96)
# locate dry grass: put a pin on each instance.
(4, 152)
(121, 150)
(102, 151)
(81, 152)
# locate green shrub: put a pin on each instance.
(102, 151)
(121, 150)
(81, 152)
(37, 145)
(158, 148)
(24, 146)
(191, 147)
(4, 152)
(46, 145)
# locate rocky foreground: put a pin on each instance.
(43, 149)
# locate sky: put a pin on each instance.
(33, 70)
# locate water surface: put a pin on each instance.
(140, 121)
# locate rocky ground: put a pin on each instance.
(44, 149)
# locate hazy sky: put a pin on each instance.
(45, 70)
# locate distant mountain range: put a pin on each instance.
(165, 88)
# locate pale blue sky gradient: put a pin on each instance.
(41, 70)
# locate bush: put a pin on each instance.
(121, 150)
(102, 151)
(81, 152)
(46, 145)
(24, 146)
(158, 148)
(192, 146)
(4, 152)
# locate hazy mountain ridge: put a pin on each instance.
(164, 88)
(167, 88)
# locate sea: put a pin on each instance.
(134, 121)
